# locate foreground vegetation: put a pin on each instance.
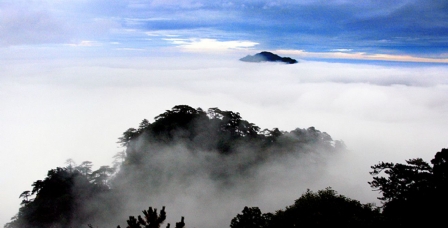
(413, 193)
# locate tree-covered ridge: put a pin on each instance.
(218, 130)
(324, 208)
(223, 144)
(181, 145)
(59, 200)
(414, 194)
(184, 144)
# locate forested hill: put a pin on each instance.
(220, 134)
(220, 131)
(201, 164)
(265, 56)
(216, 152)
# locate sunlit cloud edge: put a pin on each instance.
(361, 56)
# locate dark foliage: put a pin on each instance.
(77, 195)
(183, 123)
(325, 208)
(58, 200)
(413, 193)
(217, 132)
(251, 218)
(180, 224)
(268, 57)
(151, 220)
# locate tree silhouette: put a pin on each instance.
(440, 169)
(85, 168)
(220, 133)
(128, 135)
(216, 132)
(58, 200)
(70, 164)
(180, 224)
(25, 196)
(101, 175)
(151, 220)
(325, 208)
(413, 193)
(250, 218)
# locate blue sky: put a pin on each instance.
(409, 30)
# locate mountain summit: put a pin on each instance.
(268, 57)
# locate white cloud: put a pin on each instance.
(51, 106)
(187, 34)
(140, 21)
(130, 49)
(85, 43)
(211, 44)
(29, 23)
(382, 113)
(188, 4)
(46, 22)
(347, 54)
(162, 33)
(342, 50)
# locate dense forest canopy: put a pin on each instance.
(414, 193)
(61, 199)
(185, 146)
(324, 208)
(218, 130)
(220, 135)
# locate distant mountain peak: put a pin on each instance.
(266, 56)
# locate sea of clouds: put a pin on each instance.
(55, 109)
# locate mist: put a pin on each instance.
(77, 108)
(197, 174)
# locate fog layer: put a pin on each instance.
(55, 110)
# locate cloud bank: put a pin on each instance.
(77, 108)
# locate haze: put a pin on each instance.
(73, 80)
(79, 109)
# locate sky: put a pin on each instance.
(74, 75)
(410, 30)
